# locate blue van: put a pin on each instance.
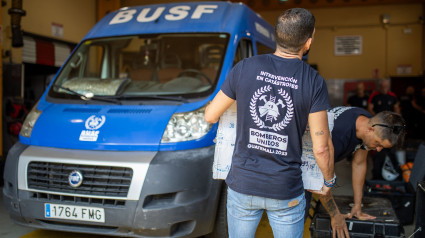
(118, 144)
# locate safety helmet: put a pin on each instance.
(388, 171)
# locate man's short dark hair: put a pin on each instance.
(390, 126)
(293, 28)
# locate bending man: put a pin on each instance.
(355, 132)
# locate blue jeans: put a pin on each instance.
(244, 212)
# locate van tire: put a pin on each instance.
(220, 224)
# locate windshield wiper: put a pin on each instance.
(150, 97)
(116, 99)
(88, 96)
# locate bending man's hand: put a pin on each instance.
(324, 191)
(339, 227)
(356, 211)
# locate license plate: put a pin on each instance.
(78, 213)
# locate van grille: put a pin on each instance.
(46, 197)
(97, 180)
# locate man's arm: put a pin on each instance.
(337, 219)
(359, 167)
(322, 145)
(217, 107)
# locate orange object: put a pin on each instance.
(406, 175)
(406, 168)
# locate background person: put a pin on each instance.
(360, 99)
(271, 116)
(383, 99)
(410, 111)
(421, 101)
(419, 105)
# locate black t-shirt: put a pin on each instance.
(421, 102)
(383, 102)
(274, 97)
(406, 102)
(407, 109)
(344, 137)
(356, 101)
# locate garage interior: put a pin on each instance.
(389, 42)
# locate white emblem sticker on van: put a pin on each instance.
(92, 124)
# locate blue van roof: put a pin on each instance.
(223, 17)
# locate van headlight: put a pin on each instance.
(30, 122)
(186, 126)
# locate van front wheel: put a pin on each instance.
(220, 225)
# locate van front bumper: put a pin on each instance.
(177, 196)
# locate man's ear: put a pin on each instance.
(308, 44)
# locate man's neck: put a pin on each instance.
(362, 124)
(288, 55)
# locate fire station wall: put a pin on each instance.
(76, 18)
(388, 50)
(386, 47)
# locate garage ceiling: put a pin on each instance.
(273, 5)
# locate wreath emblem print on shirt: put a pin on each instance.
(269, 108)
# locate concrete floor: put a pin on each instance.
(10, 230)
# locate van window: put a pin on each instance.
(243, 51)
(91, 68)
(263, 49)
(160, 64)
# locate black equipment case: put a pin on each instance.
(385, 225)
(401, 194)
(420, 210)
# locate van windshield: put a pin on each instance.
(184, 65)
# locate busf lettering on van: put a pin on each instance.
(174, 14)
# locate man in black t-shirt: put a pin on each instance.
(360, 98)
(355, 132)
(421, 100)
(383, 99)
(409, 111)
(420, 106)
(277, 95)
